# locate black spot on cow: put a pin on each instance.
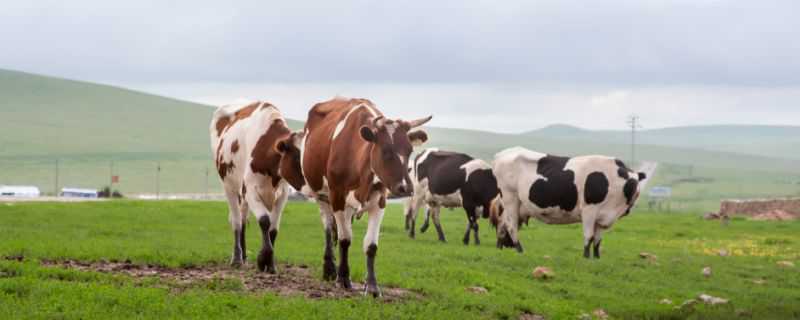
(630, 190)
(596, 188)
(622, 170)
(443, 171)
(557, 188)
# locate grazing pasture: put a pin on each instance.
(189, 243)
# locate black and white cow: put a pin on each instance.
(450, 180)
(593, 190)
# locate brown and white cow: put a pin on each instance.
(353, 157)
(257, 158)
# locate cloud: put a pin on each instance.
(630, 43)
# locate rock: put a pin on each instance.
(724, 253)
(759, 281)
(600, 314)
(543, 273)
(546, 257)
(688, 304)
(478, 290)
(786, 264)
(711, 216)
(707, 299)
(707, 272)
(530, 316)
(648, 256)
(665, 301)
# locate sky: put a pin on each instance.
(506, 66)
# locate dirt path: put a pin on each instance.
(291, 280)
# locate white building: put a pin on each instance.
(20, 191)
(78, 193)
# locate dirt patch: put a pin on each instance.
(291, 280)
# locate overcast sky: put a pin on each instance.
(497, 65)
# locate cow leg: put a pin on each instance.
(475, 226)
(598, 237)
(277, 212)
(235, 219)
(470, 211)
(244, 210)
(508, 229)
(371, 250)
(436, 222)
(588, 232)
(426, 223)
(328, 223)
(343, 216)
(265, 261)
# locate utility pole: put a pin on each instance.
(206, 182)
(158, 179)
(633, 122)
(55, 189)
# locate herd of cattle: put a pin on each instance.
(350, 157)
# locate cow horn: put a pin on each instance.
(419, 122)
(379, 121)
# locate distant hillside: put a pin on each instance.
(769, 141)
(86, 131)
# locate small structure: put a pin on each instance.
(79, 193)
(762, 209)
(659, 195)
(20, 191)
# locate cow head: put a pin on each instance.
(392, 144)
(289, 166)
(496, 210)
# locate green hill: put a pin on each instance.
(768, 141)
(86, 131)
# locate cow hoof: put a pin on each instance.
(329, 272)
(345, 283)
(236, 263)
(372, 290)
(518, 246)
(411, 235)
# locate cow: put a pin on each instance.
(593, 190)
(257, 158)
(450, 179)
(352, 158)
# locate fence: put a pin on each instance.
(194, 177)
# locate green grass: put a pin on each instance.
(197, 233)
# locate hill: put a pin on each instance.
(759, 140)
(57, 132)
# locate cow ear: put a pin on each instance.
(642, 176)
(367, 134)
(283, 146)
(417, 137)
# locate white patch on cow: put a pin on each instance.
(424, 155)
(390, 130)
(341, 124)
(471, 166)
(452, 200)
(352, 202)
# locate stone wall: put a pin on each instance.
(756, 207)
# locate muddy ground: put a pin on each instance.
(291, 280)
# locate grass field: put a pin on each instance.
(182, 234)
